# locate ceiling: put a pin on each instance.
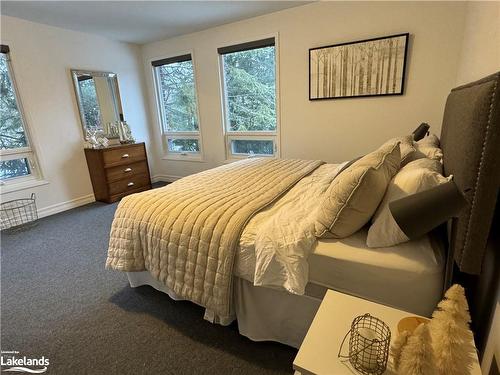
(140, 21)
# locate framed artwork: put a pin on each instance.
(371, 67)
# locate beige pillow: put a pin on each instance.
(427, 147)
(406, 147)
(354, 195)
(416, 176)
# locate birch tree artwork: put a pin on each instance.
(364, 68)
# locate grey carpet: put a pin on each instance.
(57, 300)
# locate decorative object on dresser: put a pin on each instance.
(125, 133)
(95, 138)
(117, 171)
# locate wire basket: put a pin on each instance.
(18, 214)
(368, 345)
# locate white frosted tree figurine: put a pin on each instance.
(417, 357)
(451, 336)
(397, 347)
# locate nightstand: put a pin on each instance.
(318, 353)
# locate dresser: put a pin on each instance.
(117, 171)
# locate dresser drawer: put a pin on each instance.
(126, 171)
(123, 155)
(117, 197)
(128, 184)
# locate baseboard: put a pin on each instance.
(63, 206)
(165, 178)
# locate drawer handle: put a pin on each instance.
(130, 184)
(125, 156)
(127, 170)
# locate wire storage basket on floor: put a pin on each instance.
(18, 214)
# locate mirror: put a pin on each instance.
(98, 100)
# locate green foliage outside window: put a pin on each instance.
(12, 133)
(176, 83)
(250, 90)
(11, 125)
(250, 95)
(257, 147)
(183, 145)
(14, 168)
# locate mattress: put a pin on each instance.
(408, 276)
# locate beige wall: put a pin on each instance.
(332, 130)
(481, 43)
(42, 57)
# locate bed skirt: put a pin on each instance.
(263, 314)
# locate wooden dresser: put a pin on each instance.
(117, 171)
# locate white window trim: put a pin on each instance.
(228, 135)
(35, 178)
(165, 134)
(20, 183)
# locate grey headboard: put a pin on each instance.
(470, 139)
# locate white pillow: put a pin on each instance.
(419, 175)
(431, 140)
(427, 147)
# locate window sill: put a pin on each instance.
(197, 159)
(22, 185)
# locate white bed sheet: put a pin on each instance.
(276, 242)
(408, 276)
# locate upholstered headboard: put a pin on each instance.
(470, 139)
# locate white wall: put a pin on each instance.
(332, 130)
(42, 57)
(481, 43)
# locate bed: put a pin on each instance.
(223, 250)
(408, 276)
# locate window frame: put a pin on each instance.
(35, 177)
(250, 135)
(160, 111)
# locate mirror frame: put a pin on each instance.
(74, 75)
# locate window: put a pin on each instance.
(177, 103)
(18, 161)
(248, 74)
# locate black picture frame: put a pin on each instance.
(397, 81)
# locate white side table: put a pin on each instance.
(318, 353)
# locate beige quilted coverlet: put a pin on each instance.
(186, 233)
